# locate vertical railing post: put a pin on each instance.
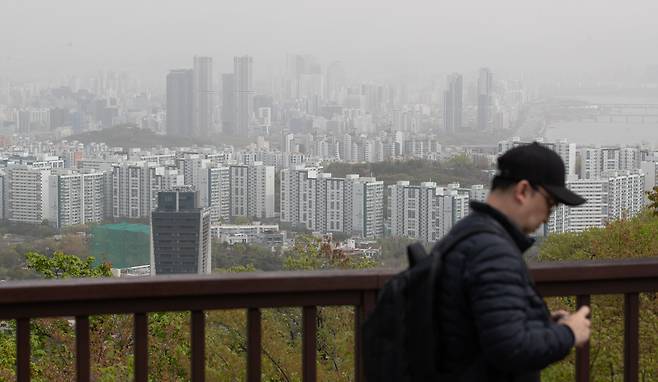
(83, 370)
(141, 336)
(582, 354)
(198, 340)
(309, 343)
(23, 350)
(253, 345)
(368, 301)
(631, 337)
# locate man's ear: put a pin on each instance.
(521, 191)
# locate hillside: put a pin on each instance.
(633, 238)
(459, 169)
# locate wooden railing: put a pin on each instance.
(81, 298)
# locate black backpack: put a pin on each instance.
(399, 336)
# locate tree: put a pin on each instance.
(653, 200)
(61, 266)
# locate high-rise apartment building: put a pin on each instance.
(215, 193)
(566, 151)
(135, 187)
(252, 190)
(244, 93)
(452, 104)
(650, 171)
(485, 93)
(425, 212)
(228, 103)
(413, 210)
(190, 99)
(591, 163)
(81, 198)
(364, 206)
(31, 195)
(179, 102)
(625, 194)
(558, 222)
(3, 195)
(180, 231)
(352, 205)
(191, 165)
(593, 213)
(204, 96)
(290, 191)
(614, 195)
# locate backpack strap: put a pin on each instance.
(445, 246)
(415, 253)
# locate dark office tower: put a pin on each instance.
(228, 103)
(485, 89)
(244, 93)
(203, 100)
(181, 234)
(452, 104)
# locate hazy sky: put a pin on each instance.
(41, 39)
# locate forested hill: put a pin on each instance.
(459, 169)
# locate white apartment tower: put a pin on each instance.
(215, 193)
(252, 190)
(591, 163)
(352, 205)
(425, 212)
(31, 195)
(81, 198)
(135, 187)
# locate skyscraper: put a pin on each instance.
(179, 101)
(228, 103)
(244, 93)
(181, 234)
(203, 99)
(452, 104)
(485, 89)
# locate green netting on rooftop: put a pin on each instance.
(123, 245)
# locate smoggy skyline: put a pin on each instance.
(44, 40)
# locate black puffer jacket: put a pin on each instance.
(493, 324)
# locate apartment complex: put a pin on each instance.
(352, 205)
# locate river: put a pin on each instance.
(604, 132)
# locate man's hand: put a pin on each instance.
(559, 315)
(579, 325)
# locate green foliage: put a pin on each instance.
(61, 265)
(311, 253)
(631, 238)
(653, 201)
(460, 169)
(255, 256)
(394, 251)
(39, 231)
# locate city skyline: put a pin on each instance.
(509, 36)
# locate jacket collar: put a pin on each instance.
(522, 241)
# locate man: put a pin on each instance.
(493, 324)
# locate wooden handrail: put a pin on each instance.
(25, 300)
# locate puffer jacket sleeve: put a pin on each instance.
(499, 296)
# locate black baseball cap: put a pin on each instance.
(540, 166)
